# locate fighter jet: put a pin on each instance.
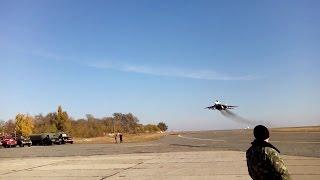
(219, 106)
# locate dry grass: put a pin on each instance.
(127, 138)
(297, 129)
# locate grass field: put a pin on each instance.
(131, 138)
(297, 129)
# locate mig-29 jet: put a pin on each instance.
(218, 106)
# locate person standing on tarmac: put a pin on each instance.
(120, 137)
(116, 138)
(263, 159)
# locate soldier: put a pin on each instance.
(120, 135)
(263, 159)
(116, 138)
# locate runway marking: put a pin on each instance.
(142, 145)
(297, 142)
(201, 139)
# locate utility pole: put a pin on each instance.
(113, 125)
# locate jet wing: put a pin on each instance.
(231, 107)
(211, 107)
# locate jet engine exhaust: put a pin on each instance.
(237, 118)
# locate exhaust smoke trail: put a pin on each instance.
(237, 118)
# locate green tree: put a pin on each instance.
(116, 122)
(45, 124)
(94, 126)
(24, 124)
(126, 123)
(79, 128)
(162, 126)
(151, 128)
(63, 122)
(50, 123)
(108, 124)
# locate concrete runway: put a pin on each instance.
(190, 155)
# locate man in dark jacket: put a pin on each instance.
(263, 159)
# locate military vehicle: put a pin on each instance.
(23, 141)
(60, 138)
(51, 138)
(41, 139)
(65, 138)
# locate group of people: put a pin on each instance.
(118, 137)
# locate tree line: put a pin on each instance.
(89, 126)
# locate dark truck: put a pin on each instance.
(23, 141)
(65, 138)
(62, 138)
(41, 139)
(51, 138)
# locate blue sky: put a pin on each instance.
(162, 60)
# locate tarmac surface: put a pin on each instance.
(190, 155)
(289, 143)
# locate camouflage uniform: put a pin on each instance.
(264, 162)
